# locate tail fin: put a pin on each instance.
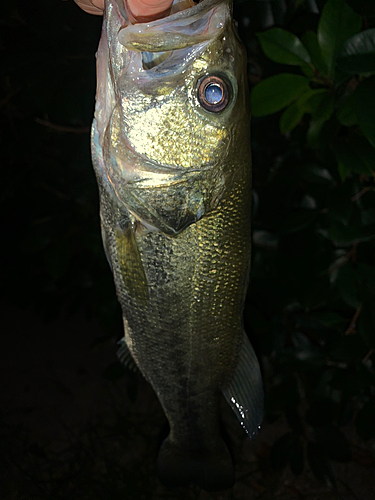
(212, 471)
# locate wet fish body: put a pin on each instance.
(170, 147)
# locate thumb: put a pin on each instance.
(95, 7)
(147, 9)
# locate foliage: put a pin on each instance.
(312, 296)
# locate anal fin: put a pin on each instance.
(244, 392)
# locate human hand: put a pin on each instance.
(142, 10)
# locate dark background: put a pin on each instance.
(74, 423)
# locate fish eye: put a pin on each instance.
(213, 93)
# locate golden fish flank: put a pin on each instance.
(170, 148)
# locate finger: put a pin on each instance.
(95, 7)
(147, 10)
(142, 10)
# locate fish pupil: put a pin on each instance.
(213, 93)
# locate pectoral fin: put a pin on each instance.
(244, 392)
(131, 266)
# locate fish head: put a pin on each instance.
(172, 117)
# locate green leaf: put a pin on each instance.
(308, 70)
(322, 104)
(354, 154)
(346, 114)
(358, 53)
(277, 92)
(344, 235)
(291, 117)
(283, 47)
(364, 106)
(322, 130)
(343, 170)
(310, 41)
(312, 100)
(313, 133)
(337, 23)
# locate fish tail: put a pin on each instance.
(212, 471)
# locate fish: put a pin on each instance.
(171, 153)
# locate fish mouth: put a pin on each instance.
(182, 29)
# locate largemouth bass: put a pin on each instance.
(171, 152)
